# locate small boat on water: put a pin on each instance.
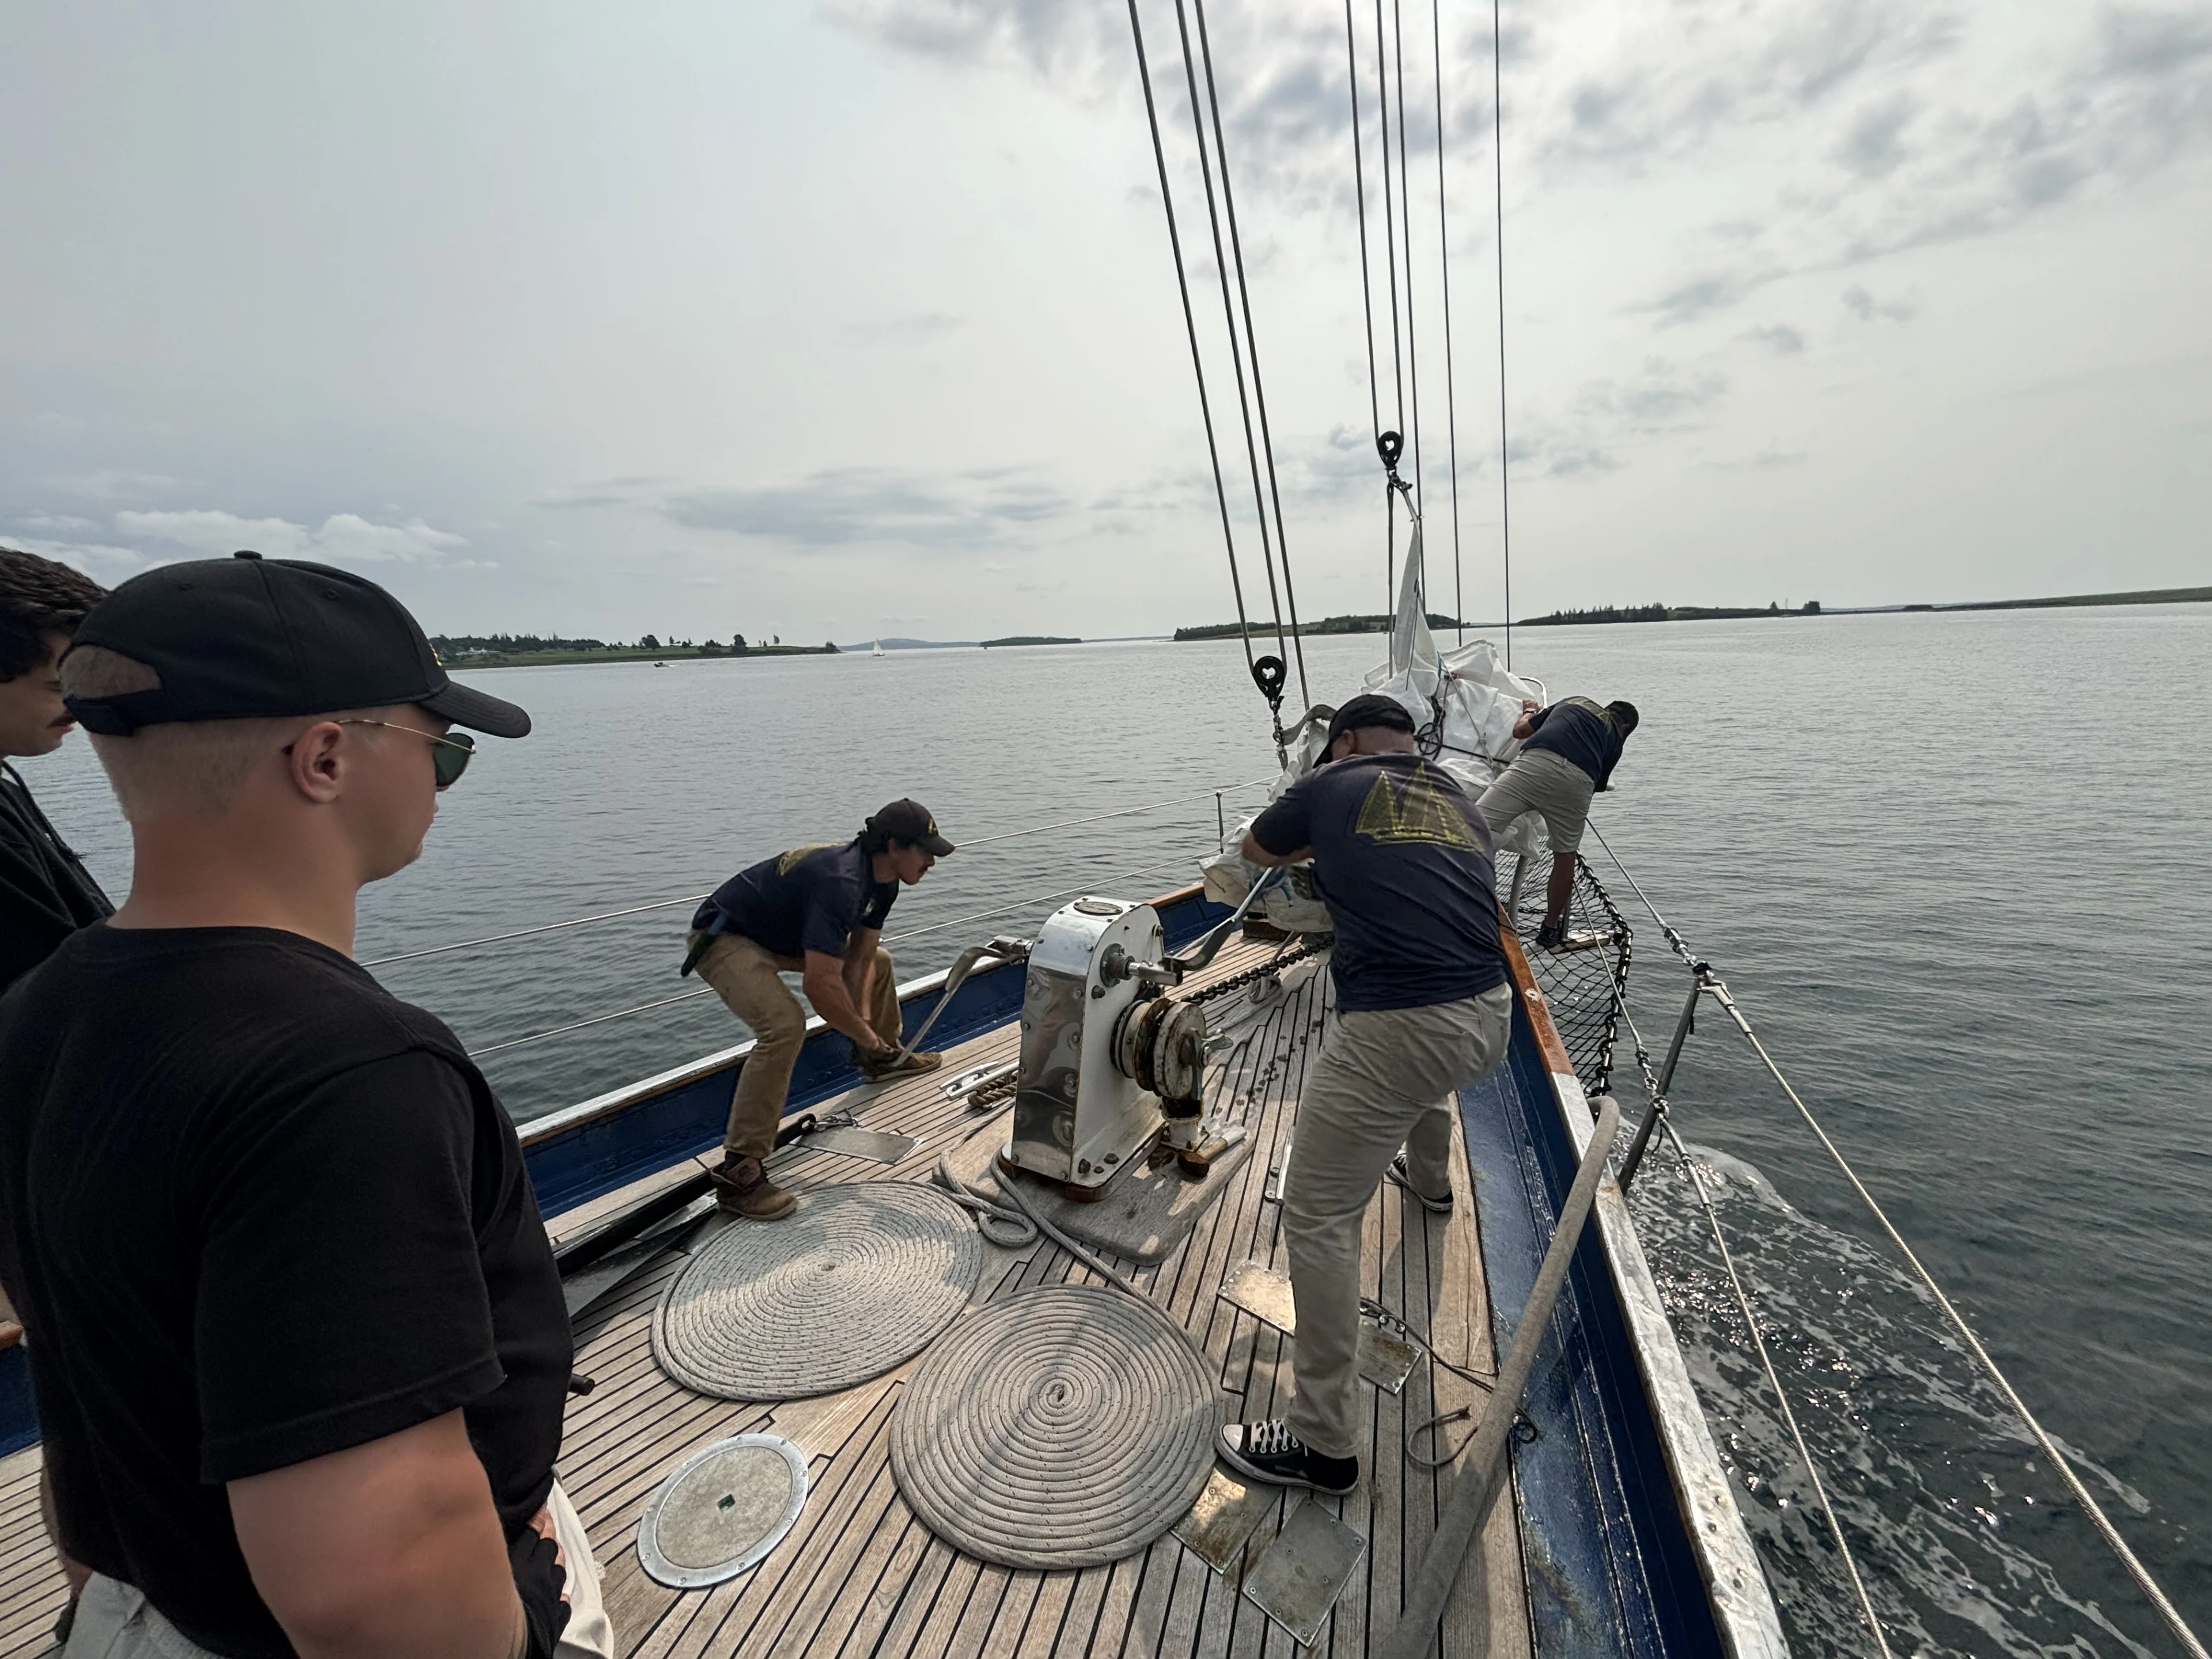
(878, 651)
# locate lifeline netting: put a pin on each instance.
(1584, 987)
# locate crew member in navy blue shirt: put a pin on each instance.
(1568, 753)
(1402, 857)
(817, 911)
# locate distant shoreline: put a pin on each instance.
(630, 654)
(1644, 613)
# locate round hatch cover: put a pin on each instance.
(721, 1510)
(1099, 907)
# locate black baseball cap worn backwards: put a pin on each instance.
(247, 637)
(1368, 708)
(909, 821)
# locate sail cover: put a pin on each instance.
(1463, 703)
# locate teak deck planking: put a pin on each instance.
(859, 1577)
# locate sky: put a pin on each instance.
(859, 318)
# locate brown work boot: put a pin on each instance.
(742, 1188)
(890, 1065)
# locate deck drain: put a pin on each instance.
(721, 1510)
(1066, 1427)
(856, 1280)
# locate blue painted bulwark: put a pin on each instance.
(1610, 1567)
(574, 1165)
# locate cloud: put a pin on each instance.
(1867, 308)
(55, 521)
(1780, 338)
(1605, 415)
(344, 537)
(1872, 144)
(918, 328)
(111, 482)
(102, 563)
(848, 506)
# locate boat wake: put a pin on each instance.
(1965, 1540)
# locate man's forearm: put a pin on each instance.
(834, 1004)
(1253, 852)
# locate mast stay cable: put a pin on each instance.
(2060, 1463)
(1397, 353)
(1190, 327)
(1444, 254)
(1252, 344)
(1405, 232)
(1236, 349)
(1498, 180)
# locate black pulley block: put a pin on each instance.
(1390, 446)
(1269, 674)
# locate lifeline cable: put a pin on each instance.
(1190, 327)
(2126, 1558)
(1236, 352)
(695, 898)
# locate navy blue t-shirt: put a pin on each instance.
(1581, 731)
(810, 898)
(1401, 856)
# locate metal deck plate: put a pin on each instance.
(1303, 1571)
(722, 1510)
(1227, 1513)
(1386, 1357)
(855, 1280)
(1145, 1213)
(872, 1144)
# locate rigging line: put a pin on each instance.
(2110, 1534)
(1229, 315)
(695, 898)
(1359, 191)
(1252, 340)
(1497, 180)
(693, 996)
(1774, 1382)
(1405, 231)
(2118, 1545)
(1759, 1339)
(1444, 254)
(1389, 217)
(1190, 327)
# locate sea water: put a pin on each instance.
(1954, 866)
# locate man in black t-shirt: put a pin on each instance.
(1401, 858)
(816, 911)
(295, 1330)
(45, 892)
(1568, 753)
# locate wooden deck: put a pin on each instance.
(859, 1577)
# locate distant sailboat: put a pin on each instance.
(878, 651)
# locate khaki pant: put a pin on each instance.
(748, 981)
(114, 1621)
(1385, 1079)
(1545, 781)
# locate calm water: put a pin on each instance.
(1954, 868)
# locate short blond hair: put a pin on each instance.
(184, 768)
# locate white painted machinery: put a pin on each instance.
(1108, 1059)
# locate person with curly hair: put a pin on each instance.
(45, 892)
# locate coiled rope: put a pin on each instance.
(2126, 1558)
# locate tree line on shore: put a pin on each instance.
(486, 650)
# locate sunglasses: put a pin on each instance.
(449, 754)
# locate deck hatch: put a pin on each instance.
(721, 1510)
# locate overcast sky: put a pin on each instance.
(858, 318)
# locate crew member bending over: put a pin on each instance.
(817, 911)
(1402, 859)
(1568, 753)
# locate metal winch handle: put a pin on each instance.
(1202, 954)
(963, 965)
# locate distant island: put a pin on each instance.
(534, 650)
(1376, 624)
(1030, 639)
(1640, 613)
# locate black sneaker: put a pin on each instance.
(1270, 1452)
(1396, 1175)
(1551, 936)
